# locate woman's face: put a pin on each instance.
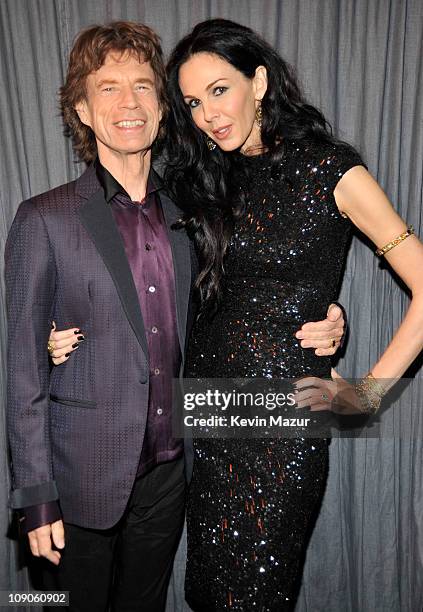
(222, 100)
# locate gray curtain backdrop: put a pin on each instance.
(360, 61)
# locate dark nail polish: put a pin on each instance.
(77, 331)
(80, 338)
(74, 345)
(67, 354)
(52, 325)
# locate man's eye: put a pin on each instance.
(108, 89)
(142, 88)
(218, 91)
(193, 103)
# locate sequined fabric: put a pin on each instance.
(253, 503)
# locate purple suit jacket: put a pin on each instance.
(76, 435)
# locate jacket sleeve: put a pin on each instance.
(30, 275)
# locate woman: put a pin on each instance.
(271, 198)
(300, 190)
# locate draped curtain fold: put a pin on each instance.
(360, 61)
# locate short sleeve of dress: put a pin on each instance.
(338, 159)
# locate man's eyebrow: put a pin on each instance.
(103, 82)
(209, 86)
(145, 80)
(106, 82)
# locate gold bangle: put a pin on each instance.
(395, 242)
(375, 385)
(370, 391)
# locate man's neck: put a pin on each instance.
(131, 171)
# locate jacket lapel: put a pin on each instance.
(97, 218)
(179, 243)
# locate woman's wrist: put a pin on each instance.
(370, 392)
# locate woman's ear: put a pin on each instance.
(260, 82)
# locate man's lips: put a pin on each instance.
(222, 132)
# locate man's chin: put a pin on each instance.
(125, 151)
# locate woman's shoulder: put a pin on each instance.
(322, 152)
(327, 160)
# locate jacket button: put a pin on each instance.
(143, 380)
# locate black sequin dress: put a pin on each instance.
(253, 502)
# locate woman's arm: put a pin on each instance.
(359, 196)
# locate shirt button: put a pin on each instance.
(148, 246)
(152, 289)
(156, 371)
(159, 411)
(154, 329)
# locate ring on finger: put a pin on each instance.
(325, 397)
(50, 347)
(332, 343)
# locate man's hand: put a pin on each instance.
(324, 336)
(41, 539)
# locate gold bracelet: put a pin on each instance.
(370, 391)
(395, 242)
(375, 385)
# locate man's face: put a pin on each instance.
(121, 108)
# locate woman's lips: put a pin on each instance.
(222, 132)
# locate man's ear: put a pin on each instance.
(83, 113)
(260, 82)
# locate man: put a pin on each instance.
(97, 474)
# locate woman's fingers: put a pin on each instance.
(59, 356)
(318, 394)
(60, 352)
(313, 392)
(66, 343)
(58, 361)
(58, 336)
(63, 343)
(322, 352)
(324, 343)
(313, 397)
(320, 329)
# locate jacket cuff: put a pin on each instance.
(32, 496)
(36, 516)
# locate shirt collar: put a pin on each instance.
(112, 187)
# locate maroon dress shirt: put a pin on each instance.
(146, 241)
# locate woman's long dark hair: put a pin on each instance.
(202, 180)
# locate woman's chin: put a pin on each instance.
(228, 147)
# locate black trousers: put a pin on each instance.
(126, 568)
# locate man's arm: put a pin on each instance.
(30, 275)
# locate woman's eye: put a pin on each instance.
(218, 91)
(193, 103)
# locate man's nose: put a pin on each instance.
(129, 98)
